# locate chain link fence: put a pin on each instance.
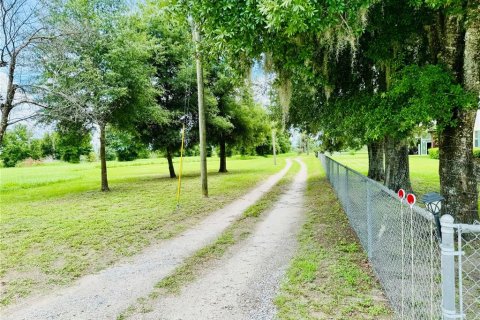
(467, 243)
(404, 248)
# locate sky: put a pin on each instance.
(23, 111)
(261, 83)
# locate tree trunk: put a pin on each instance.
(201, 111)
(376, 169)
(460, 53)
(7, 106)
(3, 123)
(458, 183)
(397, 170)
(103, 159)
(453, 46)
(471, 64)
(171, 168)
(223, 157)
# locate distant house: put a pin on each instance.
(426, 141)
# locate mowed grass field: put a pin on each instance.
(55, 224)
(423, 170)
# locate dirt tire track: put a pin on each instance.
(244, 283)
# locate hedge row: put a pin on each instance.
(434, 153)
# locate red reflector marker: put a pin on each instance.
(411, 199)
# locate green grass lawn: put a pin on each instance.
(423, 170)
(55, 224)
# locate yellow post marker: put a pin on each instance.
(181, 167)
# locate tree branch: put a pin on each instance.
(21, 119)
(29, 102)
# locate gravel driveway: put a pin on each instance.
(244, 283)
(105, 294)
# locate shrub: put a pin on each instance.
(48, 143)
(16, 146)
(476, 153)
(72, 143)
(209, 151)
(110, 154)
(433, 153)
(92, 157)
(228, 151)
(36, 149)
(191, 151)
(283, 141)
(144, 153)
(70, 154)
(126, 145)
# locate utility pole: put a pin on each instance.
(308, 145)
(274, 143)
(201, 110)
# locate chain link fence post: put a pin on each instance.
(369, 221)
(330, 170)
(327, 166)
(347, 194)
(337, 181)
(448, 268)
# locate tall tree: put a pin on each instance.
(235, 121)
(455, 40)
(175, 75)
(99, 74)
(21, 32)
(202, 125)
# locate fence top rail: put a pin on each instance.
(424, 213)
(347, 168)
(467, 228)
